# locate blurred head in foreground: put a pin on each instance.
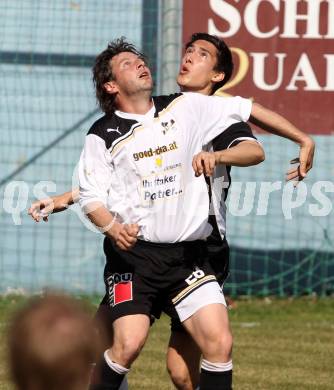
(52, 344)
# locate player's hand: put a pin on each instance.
(124, 235)
(41, 209)
(204, 162)
(305, 160)
(55, 204)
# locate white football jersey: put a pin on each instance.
(140, 166)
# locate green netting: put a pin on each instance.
(46, 107)
(284, 246)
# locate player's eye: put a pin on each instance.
(189, 50)
(204, 54)
(126, 63)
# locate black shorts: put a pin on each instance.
(218, 256)
(153, 277)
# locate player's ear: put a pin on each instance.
(217, 77)
(111, 87)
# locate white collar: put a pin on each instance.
(138, 117)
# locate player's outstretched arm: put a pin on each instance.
(44, 207)
(276, 124)
(244, 154)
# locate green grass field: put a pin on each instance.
(278, 344)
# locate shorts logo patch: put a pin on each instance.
(122, 292)
(119, 288)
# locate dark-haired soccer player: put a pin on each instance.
(206, 66)
(137, 186)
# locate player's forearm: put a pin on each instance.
(123, 235)
(66, 199)
(244, 154)
(74, 198)
(102, 218)
(276, 124)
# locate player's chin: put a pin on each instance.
(147, 83)
(181, 80)
(187, 82)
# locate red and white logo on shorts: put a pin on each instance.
(122, 292)
(119, 288)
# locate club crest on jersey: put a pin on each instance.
(119, 288)
(166, 126)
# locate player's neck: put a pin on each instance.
(206, 90)
(135, 104)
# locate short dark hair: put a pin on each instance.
(224, 56)
(102, 72)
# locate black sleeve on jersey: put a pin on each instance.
(231, 134)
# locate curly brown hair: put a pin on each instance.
(102, 72)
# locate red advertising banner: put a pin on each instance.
(283, 53)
